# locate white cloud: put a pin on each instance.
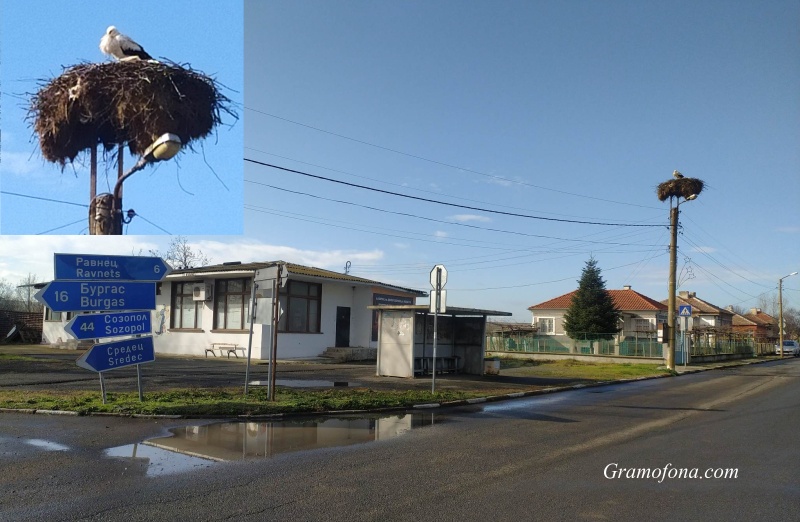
(440, 234)
(18, 163)
(462, 218)
(789, 230)
(249, 251)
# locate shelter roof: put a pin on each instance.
(451, 310)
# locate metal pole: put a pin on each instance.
(273, 356)
(102, 387)
(92, 187)
(252, 315)
(139, 381)
(435, 325)
(780, 314)
(673, 222)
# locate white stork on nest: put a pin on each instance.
(122, 47)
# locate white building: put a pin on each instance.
(200, 307)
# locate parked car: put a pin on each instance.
(789, 348)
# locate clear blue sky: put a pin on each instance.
(570, 110)
(39, 37)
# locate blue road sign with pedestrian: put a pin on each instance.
(685, 310)
(76, 296)
(95, 326)
(89, 267)
(110, 356)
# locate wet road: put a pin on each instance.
(543, 458)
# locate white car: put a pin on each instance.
(789, 348)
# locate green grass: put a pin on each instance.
(198, 401)
(572, 369)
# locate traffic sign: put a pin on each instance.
(94, 326)
(442, 277)
(75, 296)
(110, 356)
(685, 310)
(109, 268)
(442, 300)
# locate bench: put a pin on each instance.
(230, 348)
(422, 365)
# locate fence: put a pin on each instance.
(529, 342)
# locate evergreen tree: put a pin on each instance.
(591, 314)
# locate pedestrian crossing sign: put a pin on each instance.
(685, 310)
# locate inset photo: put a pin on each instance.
(121, 119)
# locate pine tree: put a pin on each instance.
(591, 314)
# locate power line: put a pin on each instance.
(147, 220)
(82, 220)
(466, 225)
(44, 199)
(417, 198)
(464, 169)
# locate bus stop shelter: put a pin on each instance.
(405, 340)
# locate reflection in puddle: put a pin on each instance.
(193, 447)
(46, 444)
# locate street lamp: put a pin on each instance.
(780, 313)
(673, 255)
(164, 148)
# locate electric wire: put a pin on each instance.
(464, 169)
(468, 207)
(82, 220)
(44, 199)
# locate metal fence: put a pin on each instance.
(536, 343)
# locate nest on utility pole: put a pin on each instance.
(127, 102)
(681, 187)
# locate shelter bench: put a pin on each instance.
(230, 348)
(422, 365)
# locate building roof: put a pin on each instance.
(699, 307)
(755, 317)
(451, 310)
(234, 268)
(626, 300)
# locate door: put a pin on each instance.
(342, 326)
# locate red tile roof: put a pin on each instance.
(624, 300)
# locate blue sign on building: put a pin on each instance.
(89, 267)
(685, 310)
(110, 356)
(94, 326)
(75, 296)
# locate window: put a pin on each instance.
(186, 312)
(301, 303)
(50, 315)
(644, 325)
(547, 325)
(232, 304)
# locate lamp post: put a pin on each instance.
(780, 311)
(673, 255)
(164, 148)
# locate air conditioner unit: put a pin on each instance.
(201, 292)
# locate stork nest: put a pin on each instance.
(682, 187)
(129, 102)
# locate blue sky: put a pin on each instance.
(571, 111)
(172, 197)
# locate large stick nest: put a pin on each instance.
(129, 102)
(681, 187)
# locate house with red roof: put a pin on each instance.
(760, 326)
(641, 317)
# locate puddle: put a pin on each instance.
(194, 447)
(46, 444)
(301, 383)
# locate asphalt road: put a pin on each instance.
(539, 458)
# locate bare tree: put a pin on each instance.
(25, 292)
(8, 296)
(769, 304)
(180, 254)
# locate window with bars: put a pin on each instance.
(301, 303)
(187, 314)
(547, 325)
(232, 304)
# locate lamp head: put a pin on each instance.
(691, 197)
(164, 148)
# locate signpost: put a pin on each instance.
(438, 305)
(685, 312)
(95, 326)
(124, 285)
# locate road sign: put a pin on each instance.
(442, 302)
(442, 278)
(110, 356)
(109, 268)
(685, 310)
(75, 296)
(94, 326)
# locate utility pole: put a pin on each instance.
(673, 256)
(780, 311)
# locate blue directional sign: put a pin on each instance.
(110, 356)
(75, 296)
(94, 326)
(685, 310)
(90, 267)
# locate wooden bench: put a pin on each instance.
(230, 348)
(422, 365)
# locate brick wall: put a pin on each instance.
(29, 323)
